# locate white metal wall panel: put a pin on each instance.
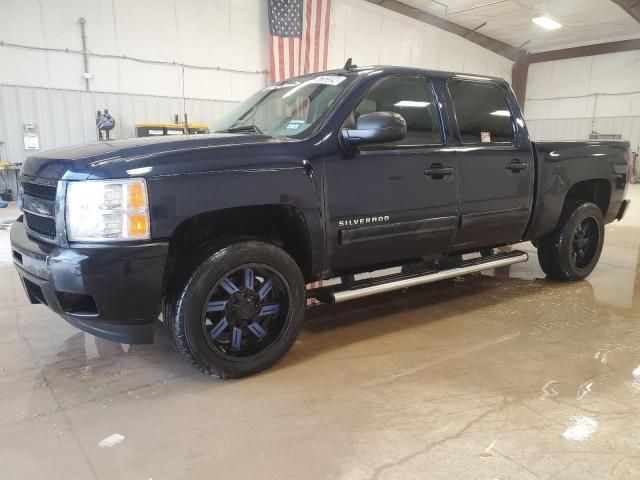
(616, 72)
(580, 128)
(3, 133)
(65, 117)
(47, 88)
(568, 99)
(559, 129)
(218, 35)
(12, 147)
(373, 35)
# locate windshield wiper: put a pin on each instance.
(241, 129)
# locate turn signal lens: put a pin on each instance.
(138, 226)
(137, 196)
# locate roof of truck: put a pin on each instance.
(391, 69)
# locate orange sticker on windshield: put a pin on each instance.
(485, 137)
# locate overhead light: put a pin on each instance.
(411, 103)
(545, 21)
(501, 113)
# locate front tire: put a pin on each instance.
(239, 310)
(573, 249)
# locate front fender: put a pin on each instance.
(176, 198)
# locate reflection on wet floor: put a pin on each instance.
(499, 375)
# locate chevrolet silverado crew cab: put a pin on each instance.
(228, 236)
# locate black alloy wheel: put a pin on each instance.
(585, 242)
(236, 307)
(572, 250)
(245, 311)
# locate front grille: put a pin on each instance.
(46, 192)
(42, 225)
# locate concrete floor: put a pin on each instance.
(496, 376)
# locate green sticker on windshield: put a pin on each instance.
(294, 124)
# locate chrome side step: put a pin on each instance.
(338, 294)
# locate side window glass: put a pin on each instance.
(412, 98)
(482, 112)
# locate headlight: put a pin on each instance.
(107, 210)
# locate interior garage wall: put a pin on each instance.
(218, 40)
(373, 35)
(569, 99)
(149, 57)
(66, 117)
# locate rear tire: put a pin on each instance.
(238, 310)
(573, 249)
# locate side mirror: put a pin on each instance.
(376, 127)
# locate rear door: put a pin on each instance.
(495, 164)
(396, 200)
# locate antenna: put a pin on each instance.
(349, 64)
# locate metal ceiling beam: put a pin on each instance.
(586, 51)
(496, 46)
(632, 7)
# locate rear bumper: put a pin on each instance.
(623, 209)
(113, 292)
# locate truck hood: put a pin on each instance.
(135, 156)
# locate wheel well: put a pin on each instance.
(281, 225)
(597, 191)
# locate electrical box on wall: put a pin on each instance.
(31, 137)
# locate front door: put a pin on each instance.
(495, 166)
(395, 201)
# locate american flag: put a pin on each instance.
(299, 37)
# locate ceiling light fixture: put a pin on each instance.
(411, 103)
(546, 22)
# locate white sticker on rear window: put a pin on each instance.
(485, 137)
(328, 79)
(294, 124)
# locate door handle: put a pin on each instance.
(516, 165)
(438, 171)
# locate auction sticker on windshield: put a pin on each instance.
(328, 79)
(278, 86)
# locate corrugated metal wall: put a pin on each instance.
(569, 99)
(151, 53)
(67, 117)
(374, 35)
(580, 128)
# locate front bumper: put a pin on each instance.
(113, 292)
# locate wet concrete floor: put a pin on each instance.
(503, 375)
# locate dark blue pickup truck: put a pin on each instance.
(228, 236)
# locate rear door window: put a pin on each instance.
(482, 112)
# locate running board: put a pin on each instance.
(365, 288)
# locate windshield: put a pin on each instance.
(289, 108)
